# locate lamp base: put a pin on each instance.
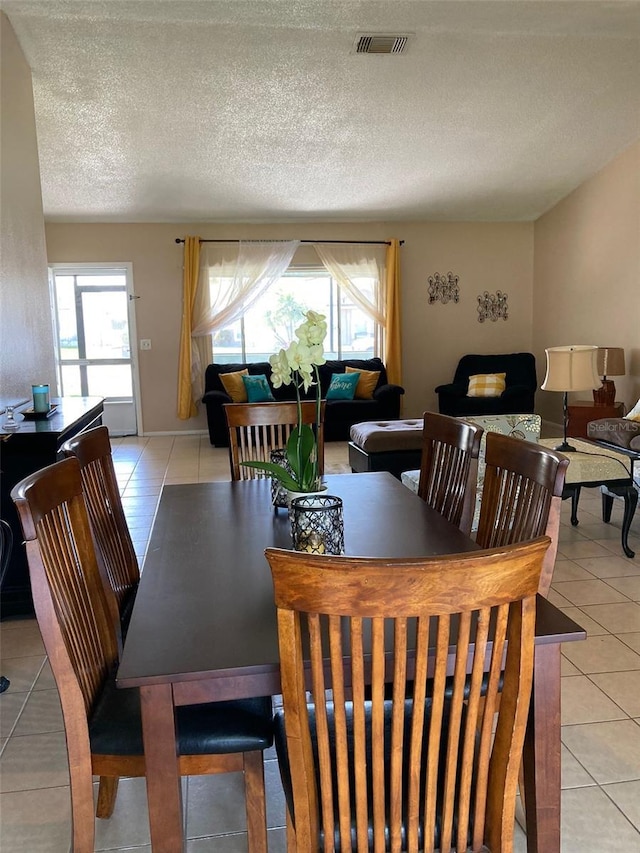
(606, 394)
(565, 448)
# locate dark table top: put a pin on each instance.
(68, 410)
(205, 604)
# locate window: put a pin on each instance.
(270, 323)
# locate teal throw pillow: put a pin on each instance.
(343, 386)
(258, 390)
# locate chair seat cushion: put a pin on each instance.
(281, 748)
(213, 728)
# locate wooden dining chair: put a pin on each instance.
(449, 467)
(418, 771)
(255, 429)
(103, 724)
(522, 494)
(115, 550)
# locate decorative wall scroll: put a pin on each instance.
(443, 288)
(492, 306)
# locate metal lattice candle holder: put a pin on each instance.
(317, 525)
(279, 495)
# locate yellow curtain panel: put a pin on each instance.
(393, 339)
(190, 271)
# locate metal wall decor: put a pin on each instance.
(443, 288)
(492, 306)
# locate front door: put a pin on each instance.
(95, 326)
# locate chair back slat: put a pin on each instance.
(449, 467)
(64, 573)
(255, 429)
(417, 770)
(92, 449)
(523, 486)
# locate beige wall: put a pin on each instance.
(587, 274)
(485, 256)
(26, 337)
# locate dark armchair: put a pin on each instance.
(517, 398)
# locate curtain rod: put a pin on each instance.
(366, 242)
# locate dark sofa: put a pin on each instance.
(340, 415)
(517, 398)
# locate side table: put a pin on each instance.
(582, 411)
(592, 465)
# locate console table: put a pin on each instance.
(33, 446)
(593, 465)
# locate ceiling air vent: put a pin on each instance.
(380, 44)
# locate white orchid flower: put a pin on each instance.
(314, 330)
(280, 369)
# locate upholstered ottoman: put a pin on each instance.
(526, 427)
(392, 446)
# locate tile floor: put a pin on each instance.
(593, 582)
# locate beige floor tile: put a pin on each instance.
(626, 795)
(623, 688)
(42, 713)
(558, 600)
(592, 591)
(567, 668)
(610, 567)
(591, 823)
(45, 680)
(129, 825)
(583, 548)
(632, 640)
(11, 705)
(621, 618)
(627, 586)
(609, 751)
(36, 821)
(584, 702)
(568, 570)
(26, 642)
(22, 673)
(590, 625)
(601, 654)
(573, 773)
(34, 761)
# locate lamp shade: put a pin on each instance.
(571, 369)
(610, 361)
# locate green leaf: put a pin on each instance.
(300, 445)
(277, 471)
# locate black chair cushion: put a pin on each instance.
(213, 728)
(285, 772)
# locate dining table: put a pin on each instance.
(204, 627)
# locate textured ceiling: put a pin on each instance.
(259, 110)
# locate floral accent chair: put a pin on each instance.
(526, 427)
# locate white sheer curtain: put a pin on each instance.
(359, 268)
(232, 277)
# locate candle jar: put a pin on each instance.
(279, 495)
(317, 524)
(40, 398)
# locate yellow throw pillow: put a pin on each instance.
(634, 414)
(234, 386)
(366, 384)
(486, 385)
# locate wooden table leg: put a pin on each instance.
(542, 754)
(164, 791)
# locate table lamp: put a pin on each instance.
(610, 362)
(570, 369)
